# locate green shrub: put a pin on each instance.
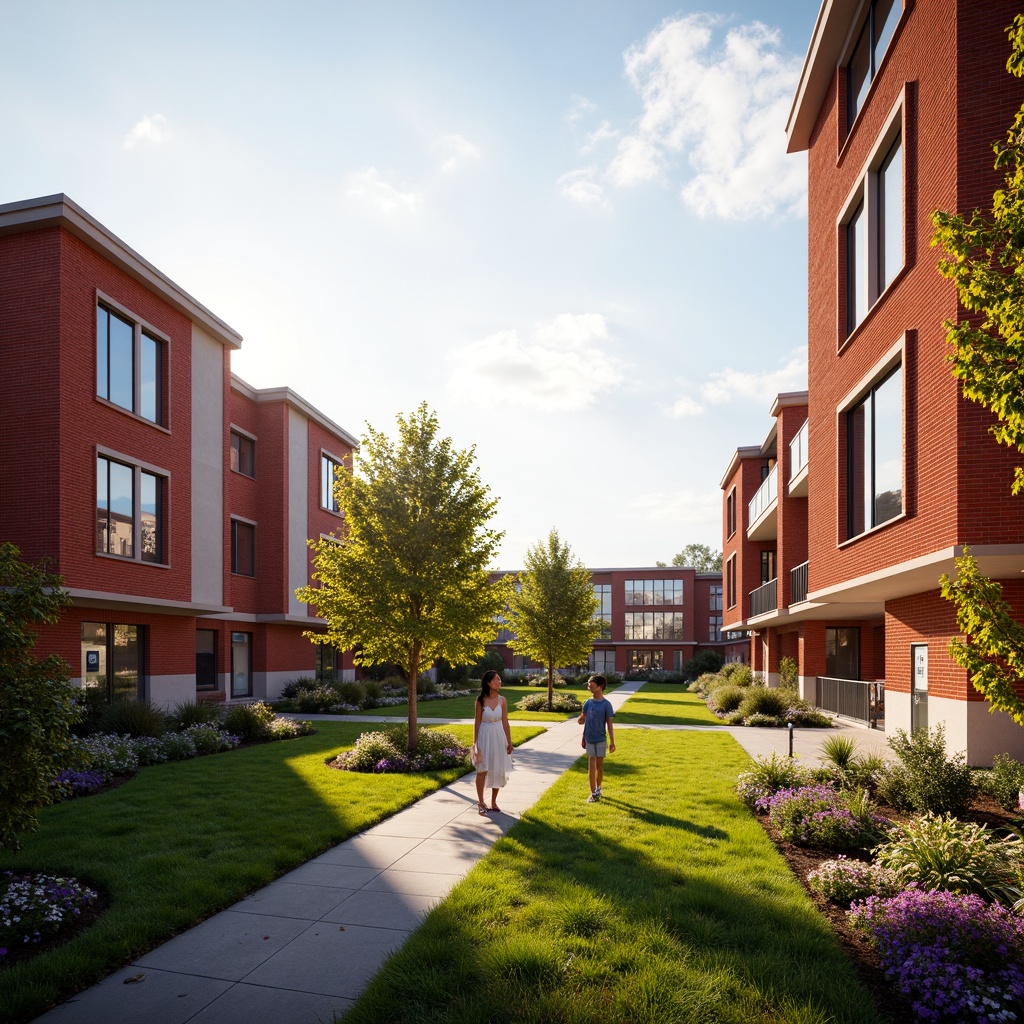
(487, 661)
(1004, 782)
(734, 718)
(764, 721)
(824, 818)
(842, 881)
(320, 700)
(386, 751)
(738, 674)
(925, 778)
(133, 718)
(424, 685)
(840, 751)
(558, 681)
(942, 852)
(249, 721)
(727, 698)
(292, 689)
(565, 702)
(394, 682)
(768, 776)
(373, 689)
(660, 675)
(177, 746)
(810, 718)
(788, 674)
(350, 693)
(760, 700)
(704, 683)
(207, 738)
(194, 712)
(90, 702)
(703, 661)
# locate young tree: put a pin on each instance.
(552, 612)
(985, 260)
(37, 702)
(700, 557)
(408, 581)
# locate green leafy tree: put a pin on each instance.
(552, 611)
(985, 260)
(37, 702)
(700, 557)
(408, 581)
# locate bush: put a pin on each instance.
(942, 852)
(373, 689)
(292, 689)
(760, 700)
(824, 818)
(387, 752)
(350, 693)
(808, 718)
(738, 673)
(177, 746)
(954, 957)
(566, 702)
(660, 675)
(925, 779)
(194, 712)
(34, 907)
(788, 674)
(726, 698)
(704, 683)
(486, 662)
(842, 881)
(208, 739)
(840, 751)
(768, 776)
(701, 662)
(859, 773)
(558, 681)
(249, 721)
(764, 721)
(133, 718)
(90, 702)
(1004, 782)
(425, 685)
(320, 700)
(109, 755)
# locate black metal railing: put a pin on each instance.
(798, 583)
(764, 599)
(852, 698)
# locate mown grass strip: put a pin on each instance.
(664, 903)
(665, 704)
(183, 840)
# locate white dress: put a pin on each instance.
(492, 746)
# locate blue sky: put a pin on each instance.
(570, 227)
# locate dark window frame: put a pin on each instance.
(154, 553)
(243, 454)
(148, 348)
(239, 529)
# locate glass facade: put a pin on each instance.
(654, 626)
(654, 592)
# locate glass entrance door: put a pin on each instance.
(241, 670)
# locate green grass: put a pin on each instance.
(463, 707)
(185, 839)
(665, 704)
(664, 903)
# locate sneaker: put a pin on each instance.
(593, 798)
(598, 792)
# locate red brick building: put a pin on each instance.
(834, 540)
(653, 618)
(174, 499)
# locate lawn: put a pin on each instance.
(185, 839)
(664, 903)
(665, 704)
(463, 707)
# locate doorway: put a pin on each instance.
(918, 687)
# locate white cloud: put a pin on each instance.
(456, 150)
(604, 132)
(580, 187)
(370, 189)
(685, 406)
(562, 365)
(722, 106)
(152, 129)
(697, 513)
(581, 106)
(725, 385)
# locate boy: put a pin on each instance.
(597, 713)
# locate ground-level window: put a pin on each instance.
(328, 662)
(206, 659)
(645, 660)
(520, 663)
(842, 652)
(602, 661)
(112, 659)
(241, 664)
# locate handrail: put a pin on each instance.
(798, 451)
(766, 494)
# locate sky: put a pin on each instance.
(570, 227)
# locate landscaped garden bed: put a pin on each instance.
(735, 697)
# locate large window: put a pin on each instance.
(715, 599)
(654, 626)
(129, 365)
(243, 454)
(112, 659)
(646, 661)
(874, 439)
(654, 592)
(243, 548)
(603, 594)
(602, 661)
(873, 229)
(842, 652)
(868, 51)
(329, 470)
(129, 511)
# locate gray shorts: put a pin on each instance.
(597, 749)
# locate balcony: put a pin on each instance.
(798, 468)
(798, 583)
(765, 599)
(762, 511)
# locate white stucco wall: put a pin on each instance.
(207, 469)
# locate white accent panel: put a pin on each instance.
(207, 469)
(166, 691)
(298, 508)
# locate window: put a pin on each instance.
(654, 626)
(243, 454)
(654, 592)
(730, 513)
(129, 511)
(874, 440)
(241, 669)
(206, 659)
(602, 661)
(329, 470)
(842, 652)
(873, 229)
(767, 566)
(129, 365)
(328, 663)
(112, 659)
(714, 627)
(646, 661)
(715, 600)
(243, 548)
(603, 594)
(730, 583)
(868, 51)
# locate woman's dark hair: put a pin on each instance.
(485, 684)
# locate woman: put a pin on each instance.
(492, 741)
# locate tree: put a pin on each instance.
(37, 702)
(408, 582)
(552, 611)
(985, 260)
(700, 557)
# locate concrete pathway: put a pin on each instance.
(302, 949)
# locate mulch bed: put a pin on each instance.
(889, 1004)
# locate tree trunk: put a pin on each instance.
(414, 672)
(551, 686)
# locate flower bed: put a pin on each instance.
(387, 751)
(36, 907)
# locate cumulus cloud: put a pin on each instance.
(581, 106)
(580, 187)
(151, 129)
(561, 364)
(456, 150)
(724, 386)
(370, 189)
(700, 512)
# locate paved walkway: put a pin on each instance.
(302, 949)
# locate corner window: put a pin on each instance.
(129, 511)
(243, 548)
(871, 46)
(243, 454)
(329, 470)
(874, 448)
(129, 365)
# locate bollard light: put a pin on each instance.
(790, 739)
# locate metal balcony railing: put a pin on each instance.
(798, 583)
(798, 451)
(852, 698)
(766, 494)
(764, 599)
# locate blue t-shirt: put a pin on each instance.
(597, 712)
